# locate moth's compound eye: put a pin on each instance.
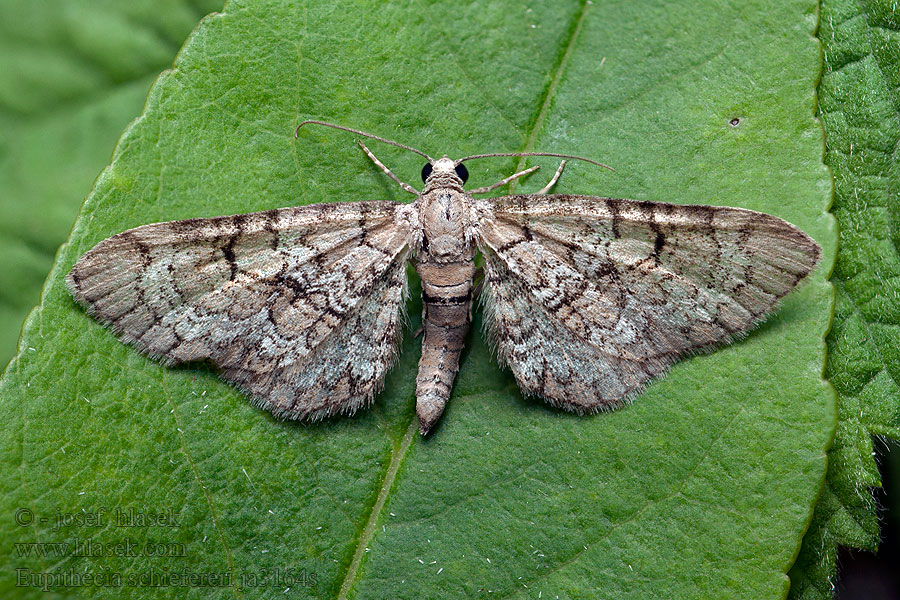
(462, 172)
(426, 172)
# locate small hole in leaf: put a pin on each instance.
(734, 122)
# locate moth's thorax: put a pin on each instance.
(445, 217)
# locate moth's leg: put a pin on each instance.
(387, 171)
(556, 175)
(482, 190)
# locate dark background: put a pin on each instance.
(866, 576)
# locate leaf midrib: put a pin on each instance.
(551, 89)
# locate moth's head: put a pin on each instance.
(444, 171)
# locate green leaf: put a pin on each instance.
(702, 488)
(859, 104)
(72, 75)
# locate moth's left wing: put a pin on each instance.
(586, 298)
(301, 307)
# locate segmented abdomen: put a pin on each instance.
(447, 302)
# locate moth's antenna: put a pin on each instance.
(368, 135)
(593, 162)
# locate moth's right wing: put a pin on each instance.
(587, 299)
(301, 307)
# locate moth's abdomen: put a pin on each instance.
(447, 301)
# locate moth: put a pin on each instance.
(585, 299)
